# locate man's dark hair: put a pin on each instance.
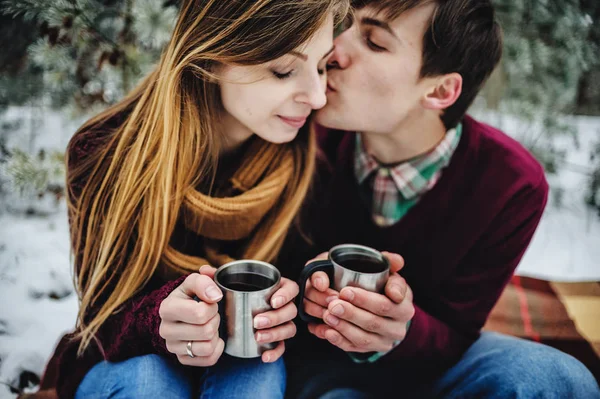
(463, 36)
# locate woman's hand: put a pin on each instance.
(274, 325)
(184, 320)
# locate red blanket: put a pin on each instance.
(535, 310)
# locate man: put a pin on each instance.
(409, 173)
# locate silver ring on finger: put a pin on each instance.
(188, 349)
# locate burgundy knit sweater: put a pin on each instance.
(461, 243)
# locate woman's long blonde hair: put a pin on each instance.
(124, 216)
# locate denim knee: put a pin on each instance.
(148, 376)
(518, 368)
(233, 378)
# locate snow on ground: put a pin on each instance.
(35, 264)
(566, 246)
(34, 269)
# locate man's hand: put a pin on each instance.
(362, 321)
(318, 295)
(275, 325)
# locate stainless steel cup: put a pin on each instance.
(348, 265)
(247, 287)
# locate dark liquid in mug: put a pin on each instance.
(246, 282)
(361, 264)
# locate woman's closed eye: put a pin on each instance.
(282, 75)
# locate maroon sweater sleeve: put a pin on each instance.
(130, 332)
(468, 297)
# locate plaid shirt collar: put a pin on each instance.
(415, 176)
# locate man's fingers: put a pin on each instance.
(396, 288)
(396, 261)
(272, 355)
(320, 281)
(321, 298)
(360, 339)
(321, 256)
(208, 270)
(200, 285)
(286, 292)
(318, 330)
(337, 339)
(279, 333)
(313, 309)
(276, 317)
(372, 302)
(187, 310)
(365, 320)
(378, 304)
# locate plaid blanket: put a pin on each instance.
(565, 316)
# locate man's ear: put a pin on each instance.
(444, 92)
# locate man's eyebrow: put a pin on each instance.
(304, 57)
(380, 24)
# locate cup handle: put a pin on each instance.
(308, 270)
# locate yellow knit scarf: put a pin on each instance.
(256, 187)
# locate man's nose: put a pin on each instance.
(340, 59)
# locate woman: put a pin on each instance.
(207, 160)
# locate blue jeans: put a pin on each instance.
(495, 366)
(152, 376)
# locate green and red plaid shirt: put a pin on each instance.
(393, 190)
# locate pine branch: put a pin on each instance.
(35, 10)
(81, 13)
(29, 10)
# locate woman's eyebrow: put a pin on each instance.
(298, 54)
(304, 57)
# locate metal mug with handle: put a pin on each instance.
(247, 287)
(348, 265)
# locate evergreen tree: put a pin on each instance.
(588, 98)
(546, 52)
(82, 55)
(76, 56)
(92, 52)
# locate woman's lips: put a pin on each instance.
(295, 122)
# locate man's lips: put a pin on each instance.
(294, 121)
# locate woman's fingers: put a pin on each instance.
(279, 333)
(276, 317)
(201, 286)
(286, 293)
(190, 332)
(272, 355)
(208, 270)
(202, 361)
(199, 348)
(189, 311)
